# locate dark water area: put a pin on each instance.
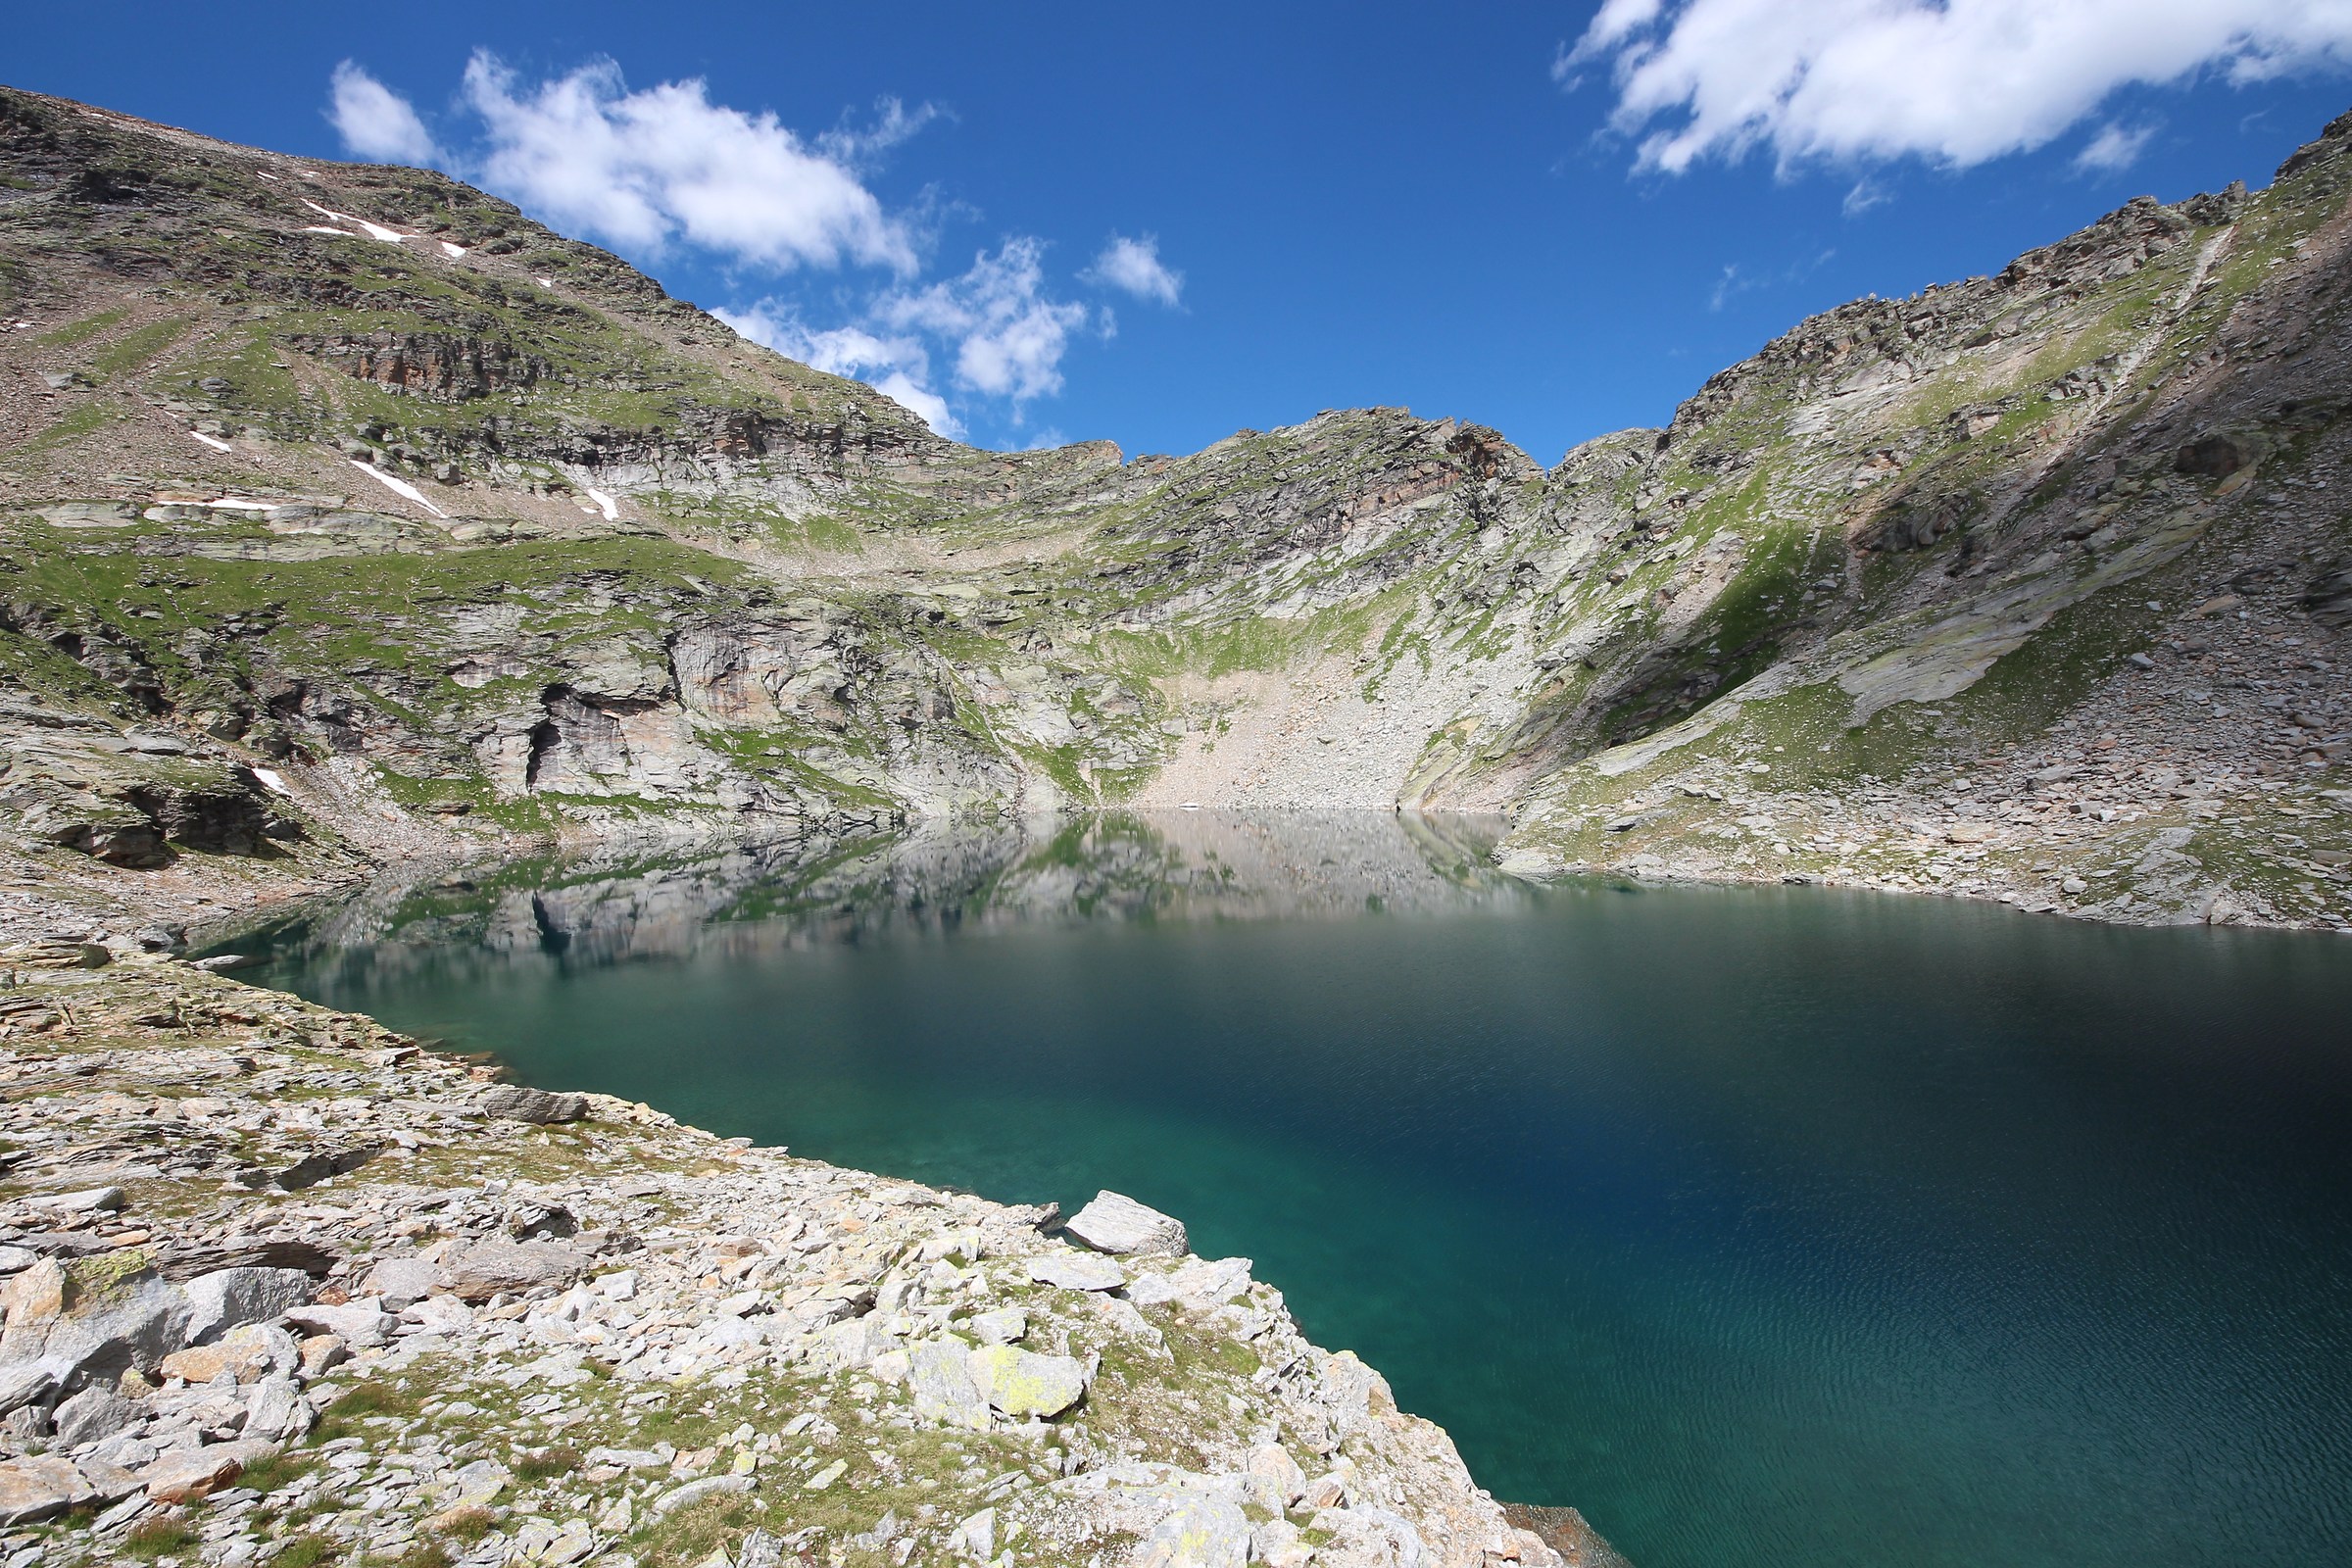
(1767, 1226)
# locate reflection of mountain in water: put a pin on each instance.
(747, 897)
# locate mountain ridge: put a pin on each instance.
(459, 529)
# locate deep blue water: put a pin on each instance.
(1767, 1226)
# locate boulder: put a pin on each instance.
(88, 1201)
(1021, 1383)
(1075, 1272)
(1197, 1283)
(118, 1315)
(276, 1411)
(696, 1491)
(852, 1345)
(231, 1298)
(24, 1382)
(1006, 1325)
(40, 1488)
(97, 1412)
(1353, 1393)
(36, 1294)
(485, 1269)
(361, 1323)
(1271, 1467)
(403, 1282)
(939, 1373)
(514, 1103)
(1115, 1223)
(189, 1475)
(1199, 1532)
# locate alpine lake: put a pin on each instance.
(1767, 1226)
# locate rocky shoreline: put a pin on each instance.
(283, 1286)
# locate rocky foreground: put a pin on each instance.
(284, 1287)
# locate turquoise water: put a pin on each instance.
(1766, 1226)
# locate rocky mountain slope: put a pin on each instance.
(344, 512)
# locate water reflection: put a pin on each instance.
(663, 901)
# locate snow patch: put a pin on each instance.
(321, 228)
(605, 504)
(390, 236)
(398, 486)
(245, 504)
(269, 780)
(453, 252)
(544, 283)
(213, 441)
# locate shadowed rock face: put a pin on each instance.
(471, 529)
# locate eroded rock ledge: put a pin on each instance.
(283, 1286)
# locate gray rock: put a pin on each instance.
(939, 1374)
(97, 1412)
(88, 1201)
(697, 1491)
(24, 1382)
(37, 1488)
(485, 1269)
(1197, 1533)
(1006, 1325)
(1115, 1223)
(231, 1298)
(1197, 1284)
(514, 1103)
(1021, 1383)
(403, 1282)
(852, 1345)
(1075, 1272)
(132, 1322)
(276, 1411)
(189, 1475)
(360, 1324)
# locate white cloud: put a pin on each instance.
(898, 367)
(893, 123)
(1954, 81)
(1134, 264)
(2116, 147)
(665, 168)
(643, 168)
(1007, 334)
(374, 122)
(998, 327)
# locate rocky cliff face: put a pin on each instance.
(354, 479)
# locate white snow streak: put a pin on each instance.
(390, 236)
(605, 503)
(213, 441)
(398, 486)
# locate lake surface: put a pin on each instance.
(1767, 1226)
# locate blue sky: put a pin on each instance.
(1159, 227)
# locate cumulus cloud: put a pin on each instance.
(1008, 335)
(374, 122)
(646, 167)
(1954, 81)
(997, 325)
(663, 169)
(1134, 267)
